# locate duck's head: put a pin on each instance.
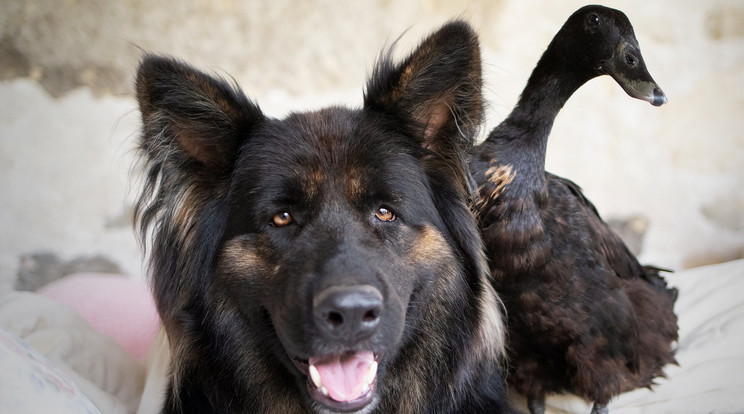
(603, 41)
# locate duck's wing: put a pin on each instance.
(619, 257)
(617, 254)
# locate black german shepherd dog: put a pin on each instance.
(326, 262)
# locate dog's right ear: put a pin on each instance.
(192, 120)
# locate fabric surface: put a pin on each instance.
(26, 373)
(117, 306)
(106, 373)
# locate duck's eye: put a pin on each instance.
(384, 214)
(281, 219)
(630, 59)
(593, 20)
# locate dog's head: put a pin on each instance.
(313, 248)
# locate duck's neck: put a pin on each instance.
(522, 137)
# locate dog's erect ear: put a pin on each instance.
(192, 118)
(438, 87)
(193, 128)
(436, 93)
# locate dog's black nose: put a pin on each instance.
(348, 313)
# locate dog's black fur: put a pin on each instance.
(253, 220)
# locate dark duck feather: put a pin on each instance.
(584, 316)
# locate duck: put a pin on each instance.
(584, 316)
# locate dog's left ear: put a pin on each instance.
(437, 88)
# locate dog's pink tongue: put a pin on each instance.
(345, 377)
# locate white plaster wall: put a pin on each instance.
(68, 122)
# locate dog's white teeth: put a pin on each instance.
(315, 376)
(371, 374)
(323, 391)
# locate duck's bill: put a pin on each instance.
(646, 90)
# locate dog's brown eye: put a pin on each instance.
(281, 219)
(385, 214)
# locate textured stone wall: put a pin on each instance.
(67, 119)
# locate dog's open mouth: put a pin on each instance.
(344, 382)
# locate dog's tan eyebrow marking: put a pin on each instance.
(313, 181)
(354, 183)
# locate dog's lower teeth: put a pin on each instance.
(323, 390)
(315, 377)
(371, 373)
